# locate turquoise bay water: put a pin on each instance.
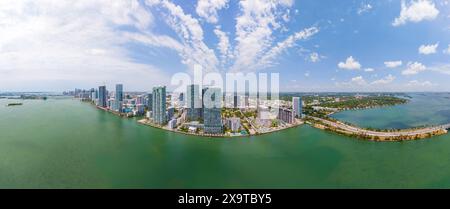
(422, 109)
(64, 143)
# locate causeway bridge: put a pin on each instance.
(394, 134)
(445, 126)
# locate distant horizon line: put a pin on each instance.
(244, 92)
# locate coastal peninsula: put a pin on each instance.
(172, 113)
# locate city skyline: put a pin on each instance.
(354, 46)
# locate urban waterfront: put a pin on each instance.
(65, 143)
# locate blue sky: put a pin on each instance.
(327, 45)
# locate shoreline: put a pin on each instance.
(341, 128)
(336, 126)
(146, 122)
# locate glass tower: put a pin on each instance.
(212, 111)
(119, 97)
(102, 96)
(150, 102)
(159, 105)
(193, 103)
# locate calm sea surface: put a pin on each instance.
(64, 143)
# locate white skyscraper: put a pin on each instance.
(297, 107)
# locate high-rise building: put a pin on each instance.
(140, 109)
(203, 100)
(246, 101)
(181, 99)
(159, 105)
(140, 100)
(170, 112)
(235, 101)
(118, 98)
(150, 102)
(297, 106)
(285, 115)
(234, 124)
(102, 96)
(212, 111)
(94, 95)
(193, 103)
(172, 124)
(119, 92)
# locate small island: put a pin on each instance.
(14, 104)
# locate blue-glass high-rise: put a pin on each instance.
(212, 111)
(159, 105)
(102, 96)
(193, 102)
(150, 102)
(119, 97)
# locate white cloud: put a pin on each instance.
(48, 42)
(416, 83)
(416, 11)
(447, 51)
(208, 9)
(314, 57)
(358, 83)
(428, 49)
(189, 30)
(359, 80)
(268, 58)
(386, 80)
(354, 82)
(414, 68)
(393, 64)
(155, 40)
(286, 17)
(441, 68)
(350, 64)
(307, 74)
(364, 8)
(223, 45)
(255, 26)
(369, 70)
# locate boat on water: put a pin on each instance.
(14, 104)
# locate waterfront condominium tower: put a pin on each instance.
(297, 106)
(203, 101)
(150, 102)
(212, 111)
(286, 115)
(193, 103)
(159, 105)
(102, 96)
(119, 97)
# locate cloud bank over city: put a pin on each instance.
(362, 46)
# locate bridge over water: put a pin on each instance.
(393, 135)
(445, 126)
